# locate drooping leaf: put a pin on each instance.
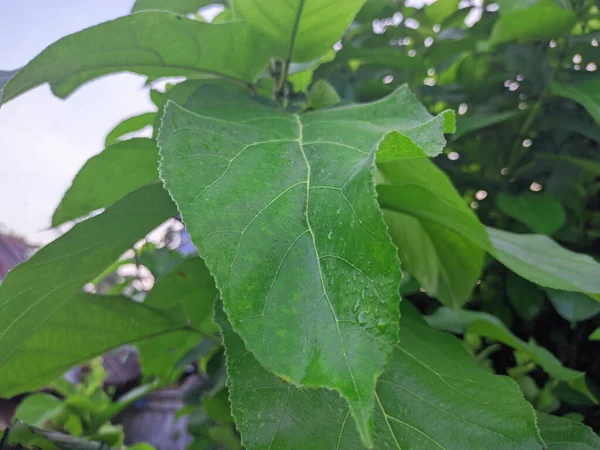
(432, 227)
(108, 177)
(282, 209)
(468, 124)
(129, 125)
(564, 434)
(432, 396)
(525, 297)
(573, 306)
(191, 284)
(83, 328)
(37, 289)
(542, 213)
(587, 93)
(541, 260)
(306, 29)
(489, 326)
(152, 43)
(176, 6)
(541, 20)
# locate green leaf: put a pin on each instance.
(129, 125)
(37, 289)
(586, 93)
(304, 29)
(5, 76)
(108, 177)
(176, 6)
(486, 325)
(322, 94)
(86, 326)
(595, 336)
(433, 228)
(525, 297)
(565, 434)
(34, 437)
(38, 408)
(190, 284)
(540, 21)
(573, 306)
(587, 165)
(468, 124)
(282, 209)
(441, 10)
(542, 213)
(152, 43)
(541, 260)
(433, 395)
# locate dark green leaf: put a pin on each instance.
(306, 29)
(525, 297)
(39, 288)
(282, 208)
(565, 434)
(152, 43)
(5, 76)
(322, 94)
(468, 124)
(587, 93)
(191, 284)
(542, 213)
(441, 10)
(541, 20)
(108, 177)
(129, 125)
(433, 228)
(573, 306)
(432, 396)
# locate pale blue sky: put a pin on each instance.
(44, 140)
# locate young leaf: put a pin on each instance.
(587, 93)
(432, 227)
(86, 326)
(152, 43)
(542, 213)
(541, 260)
(433, 395)
(129, 125)
(190, 284)
(303, 29)
(108, 177)
(322, 94)
(37, 289)
(486, 325)
(541, 20)
(564, 434)
(282, 208)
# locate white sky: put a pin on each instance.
(44, 140)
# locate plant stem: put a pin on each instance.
(280, 92)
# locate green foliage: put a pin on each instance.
(311, 180)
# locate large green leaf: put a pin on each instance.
(282, 208)
(108, 177)
(564, 434)
(585, 92)
(542, 213)
(304, 29)
(491, 327)
(541, 20)
(432, 227)
(573, 306)
(85, 327)
(176, 6)
(432, 396)
(191, 284)
(38, 289)
(152, 43)
(542, 261)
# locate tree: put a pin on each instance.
(317, 188)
